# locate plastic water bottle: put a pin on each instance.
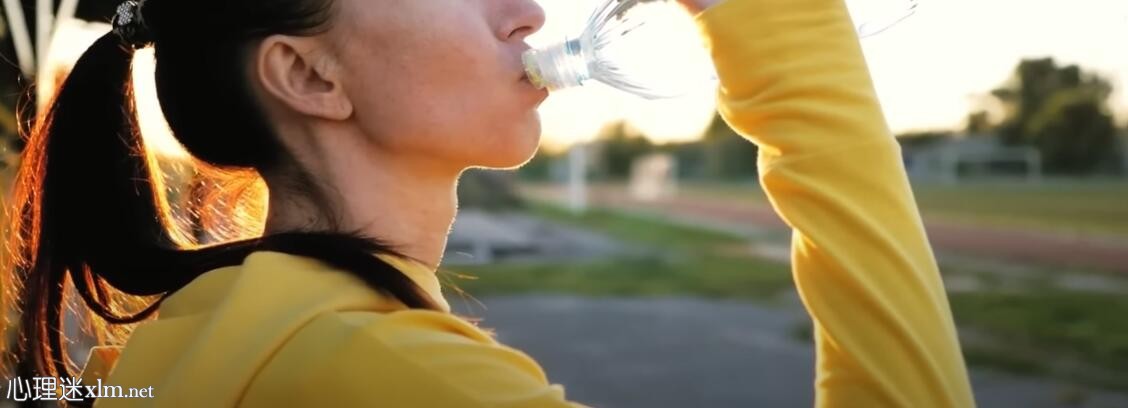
(627, 45)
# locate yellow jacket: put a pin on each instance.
(281, 330)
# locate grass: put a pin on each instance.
(681, 261)
(639, 229)
(1024, 362)
(1081, 208)
(689, 275)
(1090, 324)
(1079, 335)
(1040, 330)
(1076, 208)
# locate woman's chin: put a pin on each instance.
(509, 161)
(513, 155)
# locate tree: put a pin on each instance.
(620, 148)
(727, 154)
(978, 123)
(1063, 111)
(486, 189)
(721, 153)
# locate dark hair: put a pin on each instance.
(90, 215)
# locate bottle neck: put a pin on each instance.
(562, 65)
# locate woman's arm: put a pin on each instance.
(697, 6)
(795, 82)
(409, 358)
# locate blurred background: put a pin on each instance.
(638, 260)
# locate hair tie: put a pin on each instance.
(130, 26)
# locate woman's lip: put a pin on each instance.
(525, 79)
(542, 91)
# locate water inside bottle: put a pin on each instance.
(642, 47)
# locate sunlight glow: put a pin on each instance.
(155, 129)
(71, 39)
(930, 71)
(578, 115)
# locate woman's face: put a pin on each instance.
(441, 79)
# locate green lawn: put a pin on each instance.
(1079, 336)
(1057, 206)
(640, 229)
(680, 275)
(1075, 335)
(1082, 208)
(683, 260)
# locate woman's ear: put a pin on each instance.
(299, 76)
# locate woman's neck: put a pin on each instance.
(407, 203)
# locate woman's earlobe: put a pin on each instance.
(338, 102)
(338, 107)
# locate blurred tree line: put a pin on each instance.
(1062, 111)
(720, 154)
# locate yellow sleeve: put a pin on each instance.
(402, 359)
(794, 81)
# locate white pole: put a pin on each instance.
(1034, 161)
(20, 36)
(951, 166)
(44, 30)
(67, 9)
(577, 178)
(44, 23)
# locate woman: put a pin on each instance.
(360, 115)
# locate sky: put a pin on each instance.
(930, 71)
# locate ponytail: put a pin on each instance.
(86, 209)
(89, 217)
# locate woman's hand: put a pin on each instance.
(697, 6)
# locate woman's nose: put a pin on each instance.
(523, 18)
